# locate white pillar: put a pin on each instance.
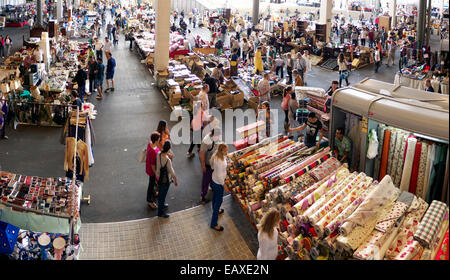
(255, 13)
(162, 36)
(39, 14)
(394, 13)
(326, 7)
(59, 10)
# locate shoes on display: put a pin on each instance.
(164, 215)
(218, 229)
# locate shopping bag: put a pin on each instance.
(143, 156)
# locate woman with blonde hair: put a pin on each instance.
(268, 236)
(219, 165)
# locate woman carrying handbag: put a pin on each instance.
(343, 69)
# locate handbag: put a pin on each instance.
(143, 156)
(345, 74)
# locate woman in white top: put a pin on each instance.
(268, 236)
(219, 165)
(342, 63)
(308, 65)
(164, 163)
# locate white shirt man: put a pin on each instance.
(98, 45)
(108, 46)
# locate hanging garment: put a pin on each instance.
(407, 168)
(445, 184)
(372, 151)
(392, 144)
(415, 168)
(88, 138)
(422, 167)
(353, 131)
(376, 171)
(437, 174)
(426, 181)
(397, 155)
(385, 154)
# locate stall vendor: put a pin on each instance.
(428, 86)
(313, 126)
(342, 146)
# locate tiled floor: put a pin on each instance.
(185, 235)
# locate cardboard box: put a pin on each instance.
(224, 101)
(253, 103)
(237, 100)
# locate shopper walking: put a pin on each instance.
(98, 49)
(166, 175)
(219, 164)
(108, 45)
(91, 73)
(109, 30)
(150, 168)
(2, 46)
(308, 66)
(99, 76)
(207, 149)
(198, 119)
(343, 70)
(289, 68)
(80, 79)
(3, 115)
(377, 59)
(259, 68)
(268, 236)
(285, 105)
(8, 44)
(264, 89)
(391, 48)
(110, 69)
(292, 111)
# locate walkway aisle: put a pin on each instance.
(185, 235)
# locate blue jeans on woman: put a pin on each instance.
(216, 202)
(163, 189)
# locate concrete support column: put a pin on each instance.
(255, 12)
(428, 26)
(377, 6)
(421, 23)
(39, 8)
(59, 10)
(326, 7)
(394, 13)
(162, 36)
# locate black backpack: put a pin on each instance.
(163, 173)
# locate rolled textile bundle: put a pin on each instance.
(396, 154)
(310, 199)
(326, 168)
(431, 223)
(308, 167)
(398, 210)
(337, 221)
(290, 219)
(407, 167)
(329, 241)
(442, 253)
(310, 189)
(298, 221)
(415, 168)
(296, 243)
(428, 168)
(436, 244)
(292, 230)
(422, 168)
(305, 255)
(412, 251)
(315, 241)
(340, 207)
(306, 162)
(283, 226)
(406, 231)
(304, 229)
(384, 193)
(314, 253)
(328, 207)
(385, 154)
(401, 160)
(392, 145)
(324, 197)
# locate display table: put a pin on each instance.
(401, 80)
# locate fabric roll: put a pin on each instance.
(326, 168)
(442, 253)
(392, 144)
(374, 247)
(386, 223)
(329, 241)
(445, 185)
(376, 171)
(412, 251)
(304, 229)
(338, 220)
(407, 168)
(325, 197)
(326, 214)
(429, 166)
(385, 154)
(415, 168)
(431, 223)
(304, 205)
(384, 193)
(348, 199)
(406, 231)
(401, 160)
(437, 242)
(289, 218)
(298, 197)
(421, 169)
(396, 154)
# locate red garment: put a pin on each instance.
(151, 159)
(415, 168)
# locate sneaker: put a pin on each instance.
(164, 215)
(190, 155)
(112, 89)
